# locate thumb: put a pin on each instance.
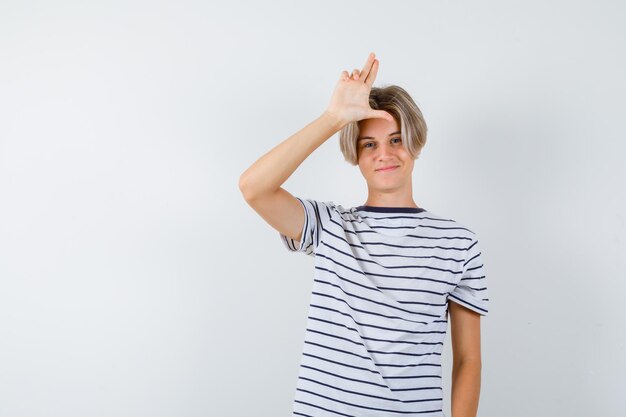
(381, 114)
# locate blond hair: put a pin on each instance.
(397, 102)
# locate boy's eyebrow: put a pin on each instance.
(369, 137)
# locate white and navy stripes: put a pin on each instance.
(378, 312)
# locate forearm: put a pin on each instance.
(465, 388)
(272, 169)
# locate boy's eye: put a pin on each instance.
(371, 143)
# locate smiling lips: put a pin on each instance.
(388, 168)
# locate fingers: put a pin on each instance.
(355, 75)
(381, 114)
(368, 65)
(371, 76)
(345, 75)
(367, 75)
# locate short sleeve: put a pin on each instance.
(314, 214)
(471, 291)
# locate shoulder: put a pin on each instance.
(326, 208)
(459, 228)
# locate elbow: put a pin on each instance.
(245, 188)
(473, 361)
(242, 186)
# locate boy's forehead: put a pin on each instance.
(373, 134)
(369, 128)
(366, 136)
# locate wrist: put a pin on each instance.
(334, 120)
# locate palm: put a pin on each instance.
(350, 100)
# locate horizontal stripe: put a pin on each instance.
(386, 410)
(369, 300)
(332, 387)
(375, 340)
(359, 381)
(365, 325)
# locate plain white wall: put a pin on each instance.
(136, 281)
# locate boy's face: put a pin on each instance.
(380, 145)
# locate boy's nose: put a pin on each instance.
(385, 151)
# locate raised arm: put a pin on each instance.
(272, 169)
(261, 183)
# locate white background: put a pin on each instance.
(136, 281)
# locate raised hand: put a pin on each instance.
(350, 100)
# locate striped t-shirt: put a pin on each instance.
(378, 310)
